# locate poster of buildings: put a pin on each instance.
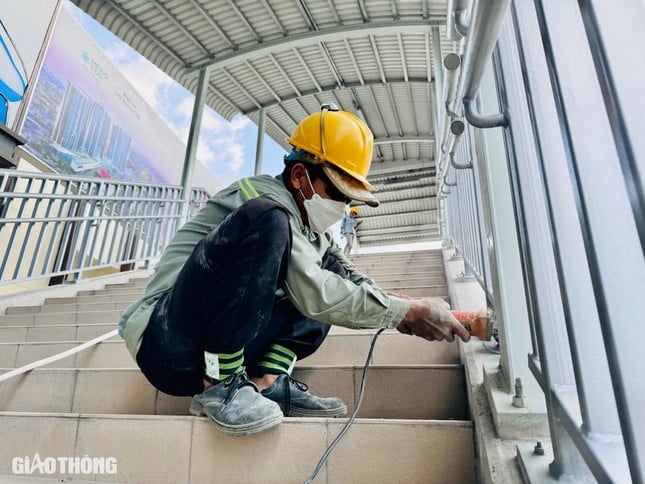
(86, 119)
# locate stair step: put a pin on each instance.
(398, 265)
(189, 449)
(82, 300)
(350, 347)
(137, 291)
(338, 349)
(88, 317)
(420, 291)
(53, 332)
(413, 392)
(109, 354)
(411, 279)
(399, 255)
(69, 307)
(141, 282)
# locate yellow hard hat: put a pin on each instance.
(343, 140)
(353, 210)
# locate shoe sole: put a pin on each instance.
(304, 412)
(198, 410)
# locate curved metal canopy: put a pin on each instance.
(375, 58)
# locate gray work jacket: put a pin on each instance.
(322, 295)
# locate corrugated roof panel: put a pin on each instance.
(342, 61)
(422, 96)
(382, 104)
(437, 8)
(222, 82)
(249, 82)
(288, 14)
(379, 9)
(397, 151)
(194, 20)
(415, 8)
(365, 59)
(390, 55)
(404, 194)
(265, 23)
(322, 13)
(401, 94)
(232, 26)
(290, 63)
(276, 82)
(398, 219)
(415, 48)
(318, 64)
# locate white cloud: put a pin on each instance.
(236, 157)
(205, 153)
(185, 107)
(121, 53)
(213, 122)
(239, 123)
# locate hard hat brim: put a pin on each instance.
(349, 186)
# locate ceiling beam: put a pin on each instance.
(333, 87)
(328, 35)
(422, 138)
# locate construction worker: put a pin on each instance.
(348, 229)
(251, 284)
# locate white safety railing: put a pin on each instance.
(59, 227)
(570, 151)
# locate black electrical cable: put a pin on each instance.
(344, 430)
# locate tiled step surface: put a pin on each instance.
(71, 307)
(420, 291)
(83, 300)
(417, 274)
(163, 449)
(110, 316)
(55, 332)
(348, 348)
(413, 392)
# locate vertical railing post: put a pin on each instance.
(191, 146)
(260, 141)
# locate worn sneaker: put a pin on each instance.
(236, 407)
(295, 400)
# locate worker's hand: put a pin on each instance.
(431, 320)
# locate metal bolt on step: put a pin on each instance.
(538, 449)
(518, 398)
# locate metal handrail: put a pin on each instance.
(456, 26)
(485, 25)
(460, 166)
(60, 226)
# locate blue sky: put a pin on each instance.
(227, 149)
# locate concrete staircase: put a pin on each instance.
(413, 426)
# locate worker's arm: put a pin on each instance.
(432, 321)
(325, 296)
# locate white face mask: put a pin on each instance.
(322, 212)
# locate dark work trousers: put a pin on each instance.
(224, 300)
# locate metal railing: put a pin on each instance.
(466, 210)
(574, 158)
(59, 227)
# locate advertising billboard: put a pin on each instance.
(85, 118)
